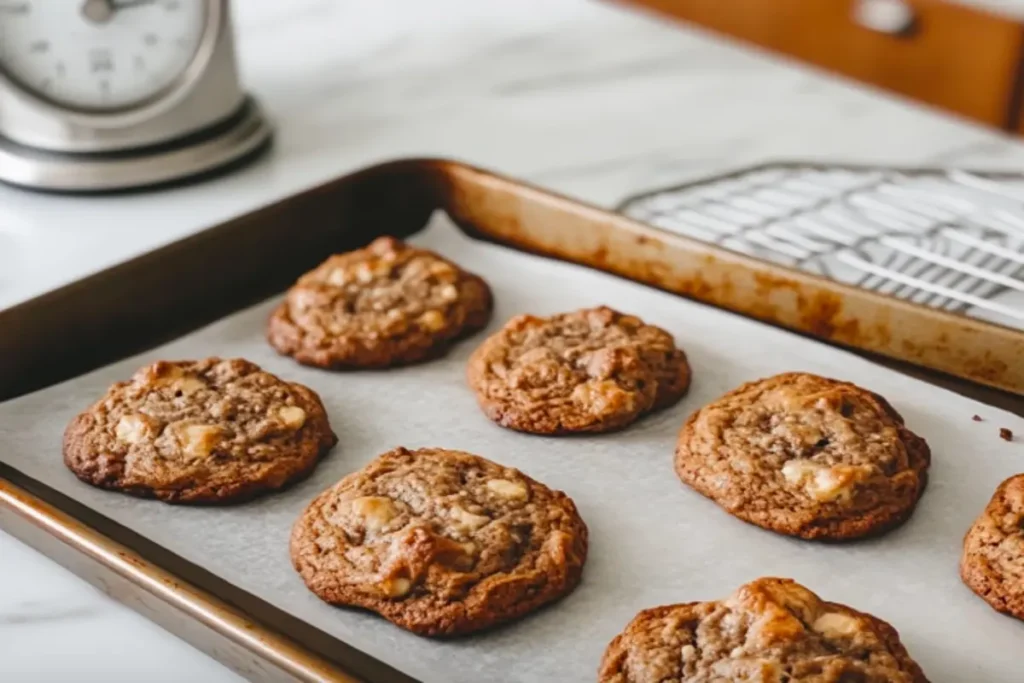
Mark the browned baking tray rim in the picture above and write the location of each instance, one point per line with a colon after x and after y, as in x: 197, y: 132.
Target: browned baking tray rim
x: 808, y: 303
x: 194, y: 602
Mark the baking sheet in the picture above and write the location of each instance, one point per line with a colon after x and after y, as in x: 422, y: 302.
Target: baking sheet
x: 653, y: 541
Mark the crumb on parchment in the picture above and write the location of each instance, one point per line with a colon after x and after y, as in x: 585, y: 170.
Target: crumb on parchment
x: 977, y: 418
x: 1005, y: 434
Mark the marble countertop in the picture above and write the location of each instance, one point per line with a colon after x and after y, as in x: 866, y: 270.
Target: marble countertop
x: 582, y: 97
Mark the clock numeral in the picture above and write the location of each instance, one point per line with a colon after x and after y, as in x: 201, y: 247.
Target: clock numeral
x: 61, y: 69
x: 104, y: 88
x: 172, y: 5
x: 100, y: 61
x: 39, y: 47
x: 46, y: 83
x: 139, y: 63
x: 150, y: 39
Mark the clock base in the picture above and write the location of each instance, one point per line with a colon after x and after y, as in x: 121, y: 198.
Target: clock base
x: 239, y: 137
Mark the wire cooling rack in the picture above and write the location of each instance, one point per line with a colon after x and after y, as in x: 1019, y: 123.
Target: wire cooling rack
x: 949, y: 239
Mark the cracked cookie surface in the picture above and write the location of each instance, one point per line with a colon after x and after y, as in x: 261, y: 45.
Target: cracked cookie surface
x: 440, y: 542
x: 992, y: 564
x: 769, y: 631
x: 209, y: 431
x: 593, y: 370
x: 384, y: 305
x: 806, y: 456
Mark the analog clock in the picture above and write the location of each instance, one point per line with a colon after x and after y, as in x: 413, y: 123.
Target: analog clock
x: 101, y: 94
x: 99, y: 54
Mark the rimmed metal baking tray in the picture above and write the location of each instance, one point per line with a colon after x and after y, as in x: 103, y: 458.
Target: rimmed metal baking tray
x: 178, y: 288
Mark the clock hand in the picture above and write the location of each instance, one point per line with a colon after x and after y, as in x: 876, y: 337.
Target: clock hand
x: 102, y: 11
x: 128, y: 4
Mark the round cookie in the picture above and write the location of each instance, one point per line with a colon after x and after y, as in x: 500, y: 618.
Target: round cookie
x: 805, y: 456
x: 593, y: 370
x: 440, y: 542
x: 209, y: 431
x: 768, y: 630
x: 384, y: 305
x: 992, y: 564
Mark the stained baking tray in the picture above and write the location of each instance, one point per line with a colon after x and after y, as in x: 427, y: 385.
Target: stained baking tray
x: 181, y: 287
x: 944, y: 238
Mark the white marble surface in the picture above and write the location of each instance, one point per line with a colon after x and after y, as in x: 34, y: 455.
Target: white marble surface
x: 579, y: 96
x: 1009, y: 8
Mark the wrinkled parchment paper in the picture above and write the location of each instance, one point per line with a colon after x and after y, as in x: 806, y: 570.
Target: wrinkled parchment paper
x: 653, y: 541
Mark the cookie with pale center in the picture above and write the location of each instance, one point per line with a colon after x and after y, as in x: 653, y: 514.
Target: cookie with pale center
x: 769, y: 631
x: 806, y: 456
x: 385, y: 305
x: 209, y: 431
x: 440, y: 542
x: 592, y: 370
x: 992, y: 563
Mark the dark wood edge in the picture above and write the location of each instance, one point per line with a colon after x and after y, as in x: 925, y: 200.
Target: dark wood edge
x: 784, y: 33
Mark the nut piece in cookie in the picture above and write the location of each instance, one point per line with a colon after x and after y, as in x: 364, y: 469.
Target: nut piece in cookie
x: 209, y: 431
x: 769, y: 630
x: 992, y: 564
x: 593, y: 370
x: 384, y: 305
x: 805, y: 456
x: 440, y: 542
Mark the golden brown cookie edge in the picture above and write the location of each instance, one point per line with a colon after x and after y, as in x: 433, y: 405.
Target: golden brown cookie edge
x: 79, y: 460
x: 974, y: 570
x: 512, y: 417
x: 827, y: 529
x: 449, y: 620
x: 610, y: 668
x: 288, y: 339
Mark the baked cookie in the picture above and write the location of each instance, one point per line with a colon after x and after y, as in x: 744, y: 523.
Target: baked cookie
x: 440, y: 542
x: 386, y: 304
x: 806, y: 456
x: 209, y: 431
x: 768, y: 631
x: 593, y: 370
x: 992, y: 564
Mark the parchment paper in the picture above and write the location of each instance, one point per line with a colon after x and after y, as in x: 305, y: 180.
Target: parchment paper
x: 653, y: 541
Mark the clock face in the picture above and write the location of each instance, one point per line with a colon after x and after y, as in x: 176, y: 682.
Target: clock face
x: 98, y: 55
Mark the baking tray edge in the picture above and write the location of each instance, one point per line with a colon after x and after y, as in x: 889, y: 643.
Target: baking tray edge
x: 194, y: 615
x: 508, y: 212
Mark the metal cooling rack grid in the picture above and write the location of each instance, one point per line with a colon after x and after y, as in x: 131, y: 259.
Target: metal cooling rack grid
x: 948, y: 239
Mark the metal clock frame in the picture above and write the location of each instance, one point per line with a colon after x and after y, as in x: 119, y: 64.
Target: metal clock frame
x: 29, y: 119
x: 201, y: 120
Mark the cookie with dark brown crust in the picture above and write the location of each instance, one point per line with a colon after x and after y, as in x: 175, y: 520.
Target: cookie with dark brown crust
x: 593, y: 370
x: 805, y: 456
x: 768, y: 630
x: 992, y: 564
x: 440, y: 542
x: 384, y: 305
x: 209, y: 431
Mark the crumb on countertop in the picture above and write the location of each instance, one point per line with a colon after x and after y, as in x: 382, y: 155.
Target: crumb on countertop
x: 976, y: 418
x: 1005, y: 434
